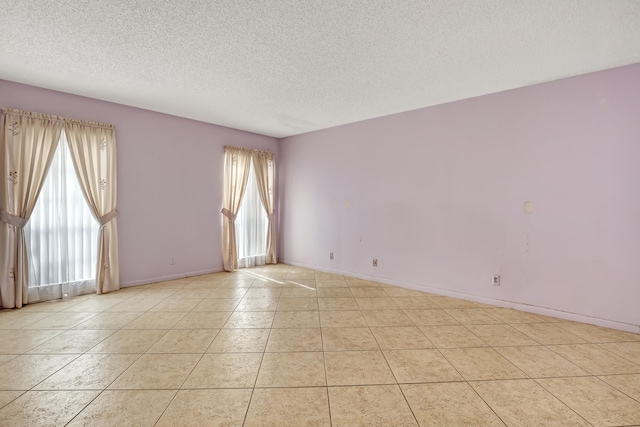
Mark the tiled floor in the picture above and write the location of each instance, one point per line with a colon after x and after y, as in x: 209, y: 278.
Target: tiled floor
x: 286, y: 346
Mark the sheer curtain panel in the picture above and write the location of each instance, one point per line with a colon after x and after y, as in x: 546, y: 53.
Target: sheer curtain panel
x: 251, y: 225
x: 265, y: 170
x: 236, y: 172
x: 27, y: 145
x: 93, y: 150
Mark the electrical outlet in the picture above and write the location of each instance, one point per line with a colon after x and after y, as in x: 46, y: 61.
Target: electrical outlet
x: 495, y: 280
x: 375, y: 262
x: 331, y: 255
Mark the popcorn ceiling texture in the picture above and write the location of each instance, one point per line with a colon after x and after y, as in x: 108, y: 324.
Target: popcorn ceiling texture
x: 285, y: 67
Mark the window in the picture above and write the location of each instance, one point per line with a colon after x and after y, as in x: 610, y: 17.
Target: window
x: 251, y: 225
x: 62, y: 234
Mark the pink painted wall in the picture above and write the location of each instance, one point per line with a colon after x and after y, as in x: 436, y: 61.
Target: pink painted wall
x: 437, y: 195
x: 170, y: 173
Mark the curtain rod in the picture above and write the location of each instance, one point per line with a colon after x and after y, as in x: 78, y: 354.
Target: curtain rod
x: 57, y: 118
x: 249, y: 149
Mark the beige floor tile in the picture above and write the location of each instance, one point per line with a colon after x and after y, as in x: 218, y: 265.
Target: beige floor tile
x: 25, y: 371
x: 7, y: 397
x: 296, y: 319
x: 129, y: 341
x: 63, y: 320
x: 157, y: 371
x: 548, y: 333
x: 357, y: 368
x: 45, y: 408
x: 376, y: 303
x: 136, y: 304
x: 342, y: 319
x: 343, y: 304
x: 331, y: 283
x: 176, y: 305
x: 93, y: 305
x: 207, y: 408
x: 109, y: 320
x: 387, y: 318
x: 369, y: 293
x: 4, y: 358
x: 394, y: 291
x: 473, y: 316
x: 239, y: 341
x: 361, y: 283
x: 300, y: 369
x: 72, y: 341
x: 540, y: 362
x: 203, y: 320
x: 14, y: 319
x: 597, y: 334
x: 197, y: 293
x: 596, y: 401
x: 500, y: 335
x: 140, y: 408
x: 225, y: 370
x: 250, y: 319
x: 400, y: 337
x: 628, y: 384
x: 307, y: 275
x: 299, y: 292
x: 431, y: 317
x: 381, y: 405
x: 21, y: 341
x: 288, y: 407
x: 160, y: 293
x: 414, y: 303
x: 228, y: 293
x: 216, y: 304
x: 334, y: 292
x: 509, y: 315
x: 184, y: 341
x: 627, y: 350
x: 452, y: 336
x: 299, y: 283
x: 339, y: 339
x: 449, y: 302
x: 420, y: 366
x: 525, y: 403
x: 264, y: 292
x: 595, y: 360
x: 481, y: 364
x: 298, y: 304
x: 448, y: 404
x: 153, y: 320
x: 294, y: 339
x: 257, y: 304
x: 89, y: 372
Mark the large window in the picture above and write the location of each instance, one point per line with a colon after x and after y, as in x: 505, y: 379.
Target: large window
x: 62, y: 234
x: 251, y: 225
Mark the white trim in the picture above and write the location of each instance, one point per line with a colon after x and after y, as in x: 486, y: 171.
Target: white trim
x: 627, y: 327
x: 171, y: 277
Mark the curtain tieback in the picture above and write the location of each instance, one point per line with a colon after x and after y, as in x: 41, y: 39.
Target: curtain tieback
x: 270, y: 218
x: 230, y: 215
x: 104, y: 219
x: 16, y: 221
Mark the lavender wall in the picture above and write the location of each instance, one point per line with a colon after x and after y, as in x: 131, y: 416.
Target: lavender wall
x: 169, y: 181
x: 437, y: 196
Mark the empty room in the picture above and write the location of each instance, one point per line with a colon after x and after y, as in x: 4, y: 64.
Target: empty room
x: 320, y: 213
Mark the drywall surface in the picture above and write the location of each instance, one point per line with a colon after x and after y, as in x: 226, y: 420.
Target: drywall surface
x: 170, y: 173
x: 438, y: 196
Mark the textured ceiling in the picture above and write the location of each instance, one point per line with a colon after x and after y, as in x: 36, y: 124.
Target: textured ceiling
x: 284, y: 67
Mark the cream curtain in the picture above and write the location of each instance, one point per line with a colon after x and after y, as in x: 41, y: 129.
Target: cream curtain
x: 27, y: 145
x: 93, y: 151
x: 236, y: 172
x: 265, y: 169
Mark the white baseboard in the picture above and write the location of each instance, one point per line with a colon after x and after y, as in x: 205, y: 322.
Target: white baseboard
x: 171, y: 277
x: 628, y: 327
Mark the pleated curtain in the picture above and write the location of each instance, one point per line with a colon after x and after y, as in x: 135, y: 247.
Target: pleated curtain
x: 265, y: 168
x: 93, y: 151
x: 27, y: 146
x: 236, y: 171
